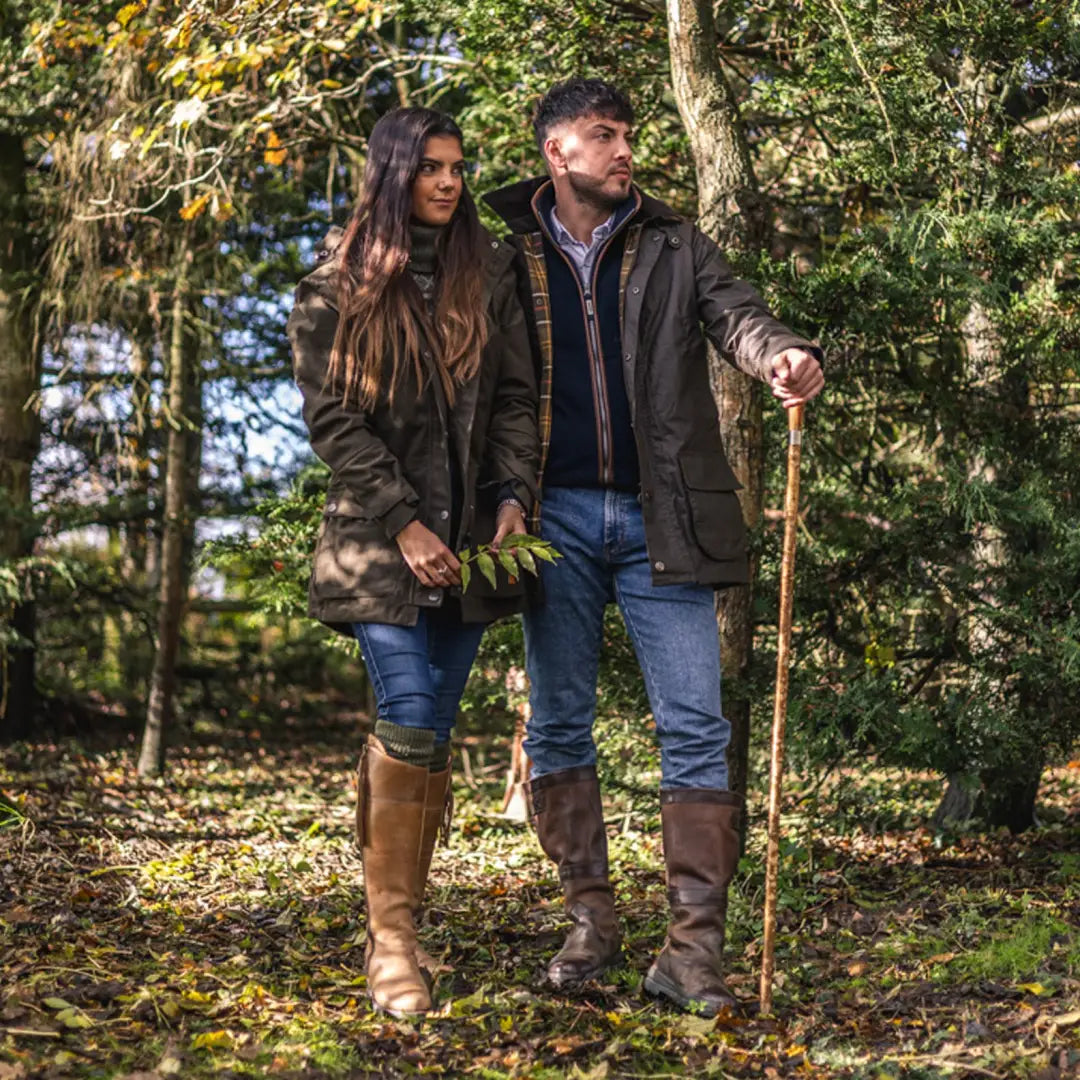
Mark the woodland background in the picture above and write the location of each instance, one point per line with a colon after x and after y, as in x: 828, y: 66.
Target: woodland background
x: 900, y: 179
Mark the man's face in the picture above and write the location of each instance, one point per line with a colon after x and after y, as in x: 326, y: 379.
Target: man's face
x: 596, y: 156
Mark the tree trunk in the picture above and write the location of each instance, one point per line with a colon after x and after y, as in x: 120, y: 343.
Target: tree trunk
x: 20, y: 375
x: 195, y: 416
x: 1008, y: 796
x: 957, y: 803
x: 1004, y: 794
x: 732, y: 211
x: 172, y: 591
x: 138, y: 439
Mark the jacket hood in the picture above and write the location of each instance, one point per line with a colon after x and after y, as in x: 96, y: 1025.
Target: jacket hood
x: 514, y: 204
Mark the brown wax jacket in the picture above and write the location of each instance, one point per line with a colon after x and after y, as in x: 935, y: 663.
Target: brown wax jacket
x: 392, y: 465
x: 677, y: 290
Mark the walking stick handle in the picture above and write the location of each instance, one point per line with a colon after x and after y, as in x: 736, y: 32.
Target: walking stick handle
x: 783, y: 649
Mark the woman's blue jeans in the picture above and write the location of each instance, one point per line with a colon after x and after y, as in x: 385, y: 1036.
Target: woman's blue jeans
x: 419, y: 672
x: 601, y: 535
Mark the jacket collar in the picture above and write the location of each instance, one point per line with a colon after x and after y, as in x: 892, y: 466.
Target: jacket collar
x: 495, y: 254
x: 514, y: 204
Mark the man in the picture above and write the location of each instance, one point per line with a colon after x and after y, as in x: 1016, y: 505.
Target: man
x: 637, y: 495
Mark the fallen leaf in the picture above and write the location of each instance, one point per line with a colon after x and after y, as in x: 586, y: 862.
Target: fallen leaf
x: 212, y: 1040
x: 74, y: 1018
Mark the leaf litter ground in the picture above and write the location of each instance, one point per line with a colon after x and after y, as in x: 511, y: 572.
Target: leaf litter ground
x: 212, y: 924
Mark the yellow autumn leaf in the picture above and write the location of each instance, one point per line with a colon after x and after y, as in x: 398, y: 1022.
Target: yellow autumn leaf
x: 194, y: 208
x: 212, y: 1040
x: 273, y: 155
x: 128, y: 12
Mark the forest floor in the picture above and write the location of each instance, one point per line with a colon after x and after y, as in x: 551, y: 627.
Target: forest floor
x: 212, y: 924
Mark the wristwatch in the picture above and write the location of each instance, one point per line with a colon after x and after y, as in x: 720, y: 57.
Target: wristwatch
x: 511, y: 501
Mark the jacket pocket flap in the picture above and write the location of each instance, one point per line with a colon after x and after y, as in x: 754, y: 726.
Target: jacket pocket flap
x: 708, y: 472
x: 342, y: 504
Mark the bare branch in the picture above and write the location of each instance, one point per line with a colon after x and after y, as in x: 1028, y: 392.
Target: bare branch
x: 1062, y: 118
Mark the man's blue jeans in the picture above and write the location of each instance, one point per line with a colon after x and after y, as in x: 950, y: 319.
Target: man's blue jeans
x: 419, y: 672
x: 601, y: 535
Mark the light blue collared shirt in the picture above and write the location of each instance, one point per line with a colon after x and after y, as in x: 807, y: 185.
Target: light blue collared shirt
x: 583, y: 256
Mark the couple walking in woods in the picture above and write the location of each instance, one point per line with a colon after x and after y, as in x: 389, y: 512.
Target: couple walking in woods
x: 456, y: 385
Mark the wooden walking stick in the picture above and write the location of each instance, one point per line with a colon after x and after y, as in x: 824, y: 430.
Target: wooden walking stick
x: 783, y: 649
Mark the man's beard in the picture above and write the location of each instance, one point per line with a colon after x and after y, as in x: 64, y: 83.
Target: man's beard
x: 590, y: 191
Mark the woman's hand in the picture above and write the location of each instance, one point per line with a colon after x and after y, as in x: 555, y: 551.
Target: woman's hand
x: 509, y: 521
x: 428, y: 557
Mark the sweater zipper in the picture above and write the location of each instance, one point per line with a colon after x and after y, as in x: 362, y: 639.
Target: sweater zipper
x: 597, y: 359
x: 607, y: 453
x: 596, y: 356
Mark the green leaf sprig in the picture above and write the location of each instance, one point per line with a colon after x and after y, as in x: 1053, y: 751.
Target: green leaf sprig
x: 519, y: 552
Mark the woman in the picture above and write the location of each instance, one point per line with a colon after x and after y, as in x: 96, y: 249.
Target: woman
x: 411, y: 353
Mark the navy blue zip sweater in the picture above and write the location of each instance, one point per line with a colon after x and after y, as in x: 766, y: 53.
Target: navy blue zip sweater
x: 592, y: 440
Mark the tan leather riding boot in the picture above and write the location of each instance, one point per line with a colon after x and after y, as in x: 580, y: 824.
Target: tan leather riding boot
x: 701, y: 849
x: 390, y: 813
x: 569, y: 820
x: 438, y: 810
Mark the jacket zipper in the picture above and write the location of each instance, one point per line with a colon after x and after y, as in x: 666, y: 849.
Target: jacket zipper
x: 596, y: 356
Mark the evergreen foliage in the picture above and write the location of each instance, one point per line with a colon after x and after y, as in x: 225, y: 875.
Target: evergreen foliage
x: 921, y: 165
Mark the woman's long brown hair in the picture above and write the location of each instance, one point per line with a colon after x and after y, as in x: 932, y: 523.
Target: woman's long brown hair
x: 382, y: 313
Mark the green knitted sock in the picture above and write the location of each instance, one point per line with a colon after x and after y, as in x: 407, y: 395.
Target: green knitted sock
x: 440, y: 756
x: 413, y: 745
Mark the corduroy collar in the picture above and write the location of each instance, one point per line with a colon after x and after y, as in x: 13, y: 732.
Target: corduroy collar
x: 514, y: 204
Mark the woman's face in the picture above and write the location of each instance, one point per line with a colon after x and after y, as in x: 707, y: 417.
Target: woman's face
x: 439, y: 180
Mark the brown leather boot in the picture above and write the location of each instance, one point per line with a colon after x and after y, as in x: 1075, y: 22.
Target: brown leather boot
x: 701, y: 848
x: 438, y: 809
x: 390, y: 812
x: 569, y: 820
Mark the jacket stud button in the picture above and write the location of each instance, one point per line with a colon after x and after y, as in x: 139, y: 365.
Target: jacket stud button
x: 674, y: 241
x: 433, y: 596
x: 656, y: 236
x: 444, y: 514
x: 635, y: 289
x: 658, y: 565
x: 494, y: 243
x: 331, y: 507
x: 626, y: 356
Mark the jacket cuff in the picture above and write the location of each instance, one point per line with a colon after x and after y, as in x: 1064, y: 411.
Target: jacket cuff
x: 800, y: 343
x: 511, y: 489
x: 397, y: 517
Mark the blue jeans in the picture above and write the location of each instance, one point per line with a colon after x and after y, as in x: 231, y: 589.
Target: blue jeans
x: 601, y: 535
x: 419, y: 672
